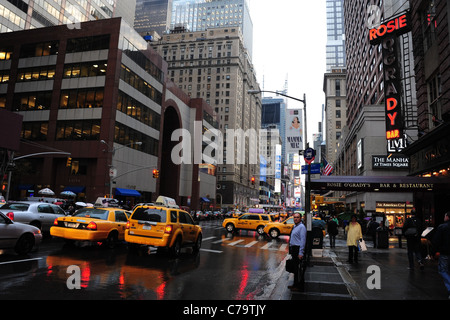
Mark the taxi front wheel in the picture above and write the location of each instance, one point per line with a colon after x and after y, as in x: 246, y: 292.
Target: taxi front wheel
x: 230, y: 227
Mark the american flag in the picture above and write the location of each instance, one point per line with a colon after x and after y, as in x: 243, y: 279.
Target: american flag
x: 327, y: 168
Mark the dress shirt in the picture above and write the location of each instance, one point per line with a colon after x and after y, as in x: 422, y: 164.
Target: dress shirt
x: 298, y: 237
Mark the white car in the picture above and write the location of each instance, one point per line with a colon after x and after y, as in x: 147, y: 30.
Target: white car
x: 18, y: 236
x: 38, y: 214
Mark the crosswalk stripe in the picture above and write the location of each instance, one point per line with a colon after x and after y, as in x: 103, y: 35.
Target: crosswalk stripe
x: 235, y: 243
x: 251, y: 244
x: 266, y: 247
x: 283, y: 247
x: 209, y: 238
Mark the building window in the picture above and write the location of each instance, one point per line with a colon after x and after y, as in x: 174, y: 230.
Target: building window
x: 434, y: 97
x: 39, y: 49
x: 35, y: 131
x: 87, y: 69
x: 429, y: 25
x: 81, y: 98
x: 34, y: 74
x: 88, y: 43
x: 32, y: 101
x: 78, y: 130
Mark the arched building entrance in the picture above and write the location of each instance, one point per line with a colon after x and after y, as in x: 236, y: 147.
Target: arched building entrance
x: 169, y: 172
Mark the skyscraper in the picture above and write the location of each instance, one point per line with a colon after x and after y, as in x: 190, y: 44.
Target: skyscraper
x: 152, y: 15
x: 335, y: 34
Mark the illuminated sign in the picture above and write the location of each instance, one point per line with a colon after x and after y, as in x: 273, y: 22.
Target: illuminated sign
x: 394, y: 27
x: 386, y: 34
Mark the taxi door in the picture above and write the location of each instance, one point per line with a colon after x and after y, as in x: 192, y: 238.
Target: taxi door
x: 187, y: 226
x: 287, y: 226
x: 243, y: 222
x: 121, y: 223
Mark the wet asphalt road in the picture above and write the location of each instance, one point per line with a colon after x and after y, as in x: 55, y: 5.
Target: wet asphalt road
x: 236, y: 266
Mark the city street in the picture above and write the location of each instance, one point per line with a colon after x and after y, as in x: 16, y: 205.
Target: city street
x: 228, y: 267
x: 242, y: 266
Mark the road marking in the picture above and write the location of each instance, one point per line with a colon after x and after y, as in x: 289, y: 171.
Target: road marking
x: 209, y: 238
x: 220, y: 241
x: 266, y: 247
x: 283, y: 247
x: 251, y: 244
x: 16, y: 261
x: 213, y: 251
x: 236, y: 242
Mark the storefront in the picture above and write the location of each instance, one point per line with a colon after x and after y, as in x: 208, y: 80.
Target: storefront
x: 396, y: 212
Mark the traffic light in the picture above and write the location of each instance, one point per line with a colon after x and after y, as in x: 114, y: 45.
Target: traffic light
x: 69, y: 162
x: 155, y: 173
x: 253, y: 180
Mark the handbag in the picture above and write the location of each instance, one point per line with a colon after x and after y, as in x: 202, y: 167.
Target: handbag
x: 362, y: 245
x: 411, y: 231
x: 290, y: 266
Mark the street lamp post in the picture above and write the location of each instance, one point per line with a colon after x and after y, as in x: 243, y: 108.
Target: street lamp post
x: 307, y: 183
x: 113, y: 150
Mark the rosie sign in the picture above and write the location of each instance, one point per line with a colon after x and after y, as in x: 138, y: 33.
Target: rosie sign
x: 387, y: 34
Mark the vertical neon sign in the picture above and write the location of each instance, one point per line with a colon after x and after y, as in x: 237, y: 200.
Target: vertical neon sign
x: 387, y: 34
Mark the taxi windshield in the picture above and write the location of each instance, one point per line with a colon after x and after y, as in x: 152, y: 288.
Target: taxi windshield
x: 92, y: 213
x: 150, y: 214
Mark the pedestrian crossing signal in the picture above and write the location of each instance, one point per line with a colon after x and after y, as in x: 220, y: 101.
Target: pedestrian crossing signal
x: 155, y: 173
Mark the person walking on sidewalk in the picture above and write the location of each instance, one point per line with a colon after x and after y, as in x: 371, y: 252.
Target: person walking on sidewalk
x: 332, y: 231
x: 372, y: 230
x: 297, y: 243
x: 412, y: 230
x: 441, y: 241
x: 354, y: 233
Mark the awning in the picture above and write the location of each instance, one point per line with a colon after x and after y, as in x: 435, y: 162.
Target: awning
x: 127, y: 192
x: 380, y: 183
x: 203, y: 199
x: 75, y: 189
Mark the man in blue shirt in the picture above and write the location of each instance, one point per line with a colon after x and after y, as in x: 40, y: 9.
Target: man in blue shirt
x: 297, y: 244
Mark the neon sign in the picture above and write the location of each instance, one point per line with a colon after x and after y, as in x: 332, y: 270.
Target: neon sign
x: 386, y: 34
x: 394, y: 27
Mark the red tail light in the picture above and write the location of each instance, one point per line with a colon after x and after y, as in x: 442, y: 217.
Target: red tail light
x: 10, y: 215
x: 55, y: 223
x: 127, y: 226
x: 168, y: 229
x: 92, y: 226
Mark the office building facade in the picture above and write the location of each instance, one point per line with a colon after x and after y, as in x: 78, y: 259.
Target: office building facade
x: 212, y: 65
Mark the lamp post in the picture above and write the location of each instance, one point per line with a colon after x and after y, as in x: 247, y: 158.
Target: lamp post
x: 308, y: 183
x: 113, y: 150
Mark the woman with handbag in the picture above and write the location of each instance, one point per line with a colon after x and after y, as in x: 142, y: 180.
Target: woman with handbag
x: 354, y: 233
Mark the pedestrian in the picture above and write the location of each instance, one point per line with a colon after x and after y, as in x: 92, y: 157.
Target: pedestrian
x: 297, y: 242
x: 412, y: 230
x: 372, y: 230
x: 332, y: 231
x: 441, y: 241
x: 354, y: 234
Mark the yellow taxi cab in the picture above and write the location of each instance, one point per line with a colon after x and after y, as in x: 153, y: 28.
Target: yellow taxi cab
x: 162, y: 225
x: 92, y: 224
x: 248, y: 221
x: 275, y: 229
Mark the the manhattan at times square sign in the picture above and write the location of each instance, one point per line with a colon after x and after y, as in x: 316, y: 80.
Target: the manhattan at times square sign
x: 386, y: 34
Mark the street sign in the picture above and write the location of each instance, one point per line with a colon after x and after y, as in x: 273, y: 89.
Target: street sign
x: 315, y: 168
x: 309, y: 155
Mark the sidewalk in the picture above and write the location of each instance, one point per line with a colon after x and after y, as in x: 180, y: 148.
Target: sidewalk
x: 330, y: 277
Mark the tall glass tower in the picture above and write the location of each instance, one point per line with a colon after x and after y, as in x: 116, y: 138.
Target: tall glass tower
x: 335, y: 34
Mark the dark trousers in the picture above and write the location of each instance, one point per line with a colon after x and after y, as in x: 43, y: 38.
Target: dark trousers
x: 413, y: 248
x: 352, y: 254
x: 332, y: 240
x: 294, y: 251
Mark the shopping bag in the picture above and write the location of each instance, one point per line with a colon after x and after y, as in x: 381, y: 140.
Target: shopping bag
x: 290, y: 265
x: 362, y: 245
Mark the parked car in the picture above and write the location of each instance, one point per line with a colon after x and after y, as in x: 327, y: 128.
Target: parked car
x: 38, y: 214
x: 22, y: 238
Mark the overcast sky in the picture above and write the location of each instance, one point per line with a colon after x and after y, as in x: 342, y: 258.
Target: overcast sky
x: 289, y: 42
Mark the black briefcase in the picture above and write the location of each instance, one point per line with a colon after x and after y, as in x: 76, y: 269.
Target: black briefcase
x: 291, y: 266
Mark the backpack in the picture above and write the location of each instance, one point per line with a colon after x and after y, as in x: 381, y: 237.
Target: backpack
x: 412, y: 231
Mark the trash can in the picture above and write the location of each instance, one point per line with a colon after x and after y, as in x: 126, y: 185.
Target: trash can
x: 382, y: 238
x: 317, y: 238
